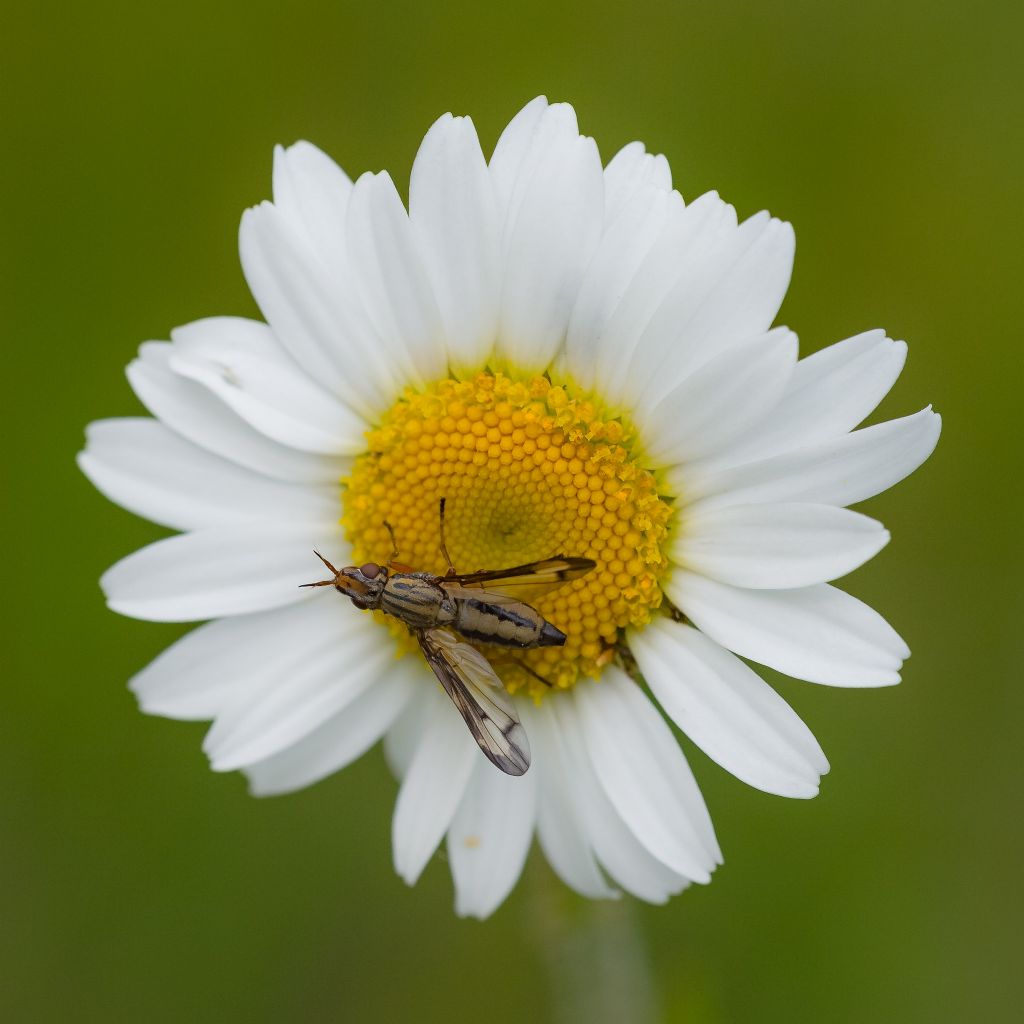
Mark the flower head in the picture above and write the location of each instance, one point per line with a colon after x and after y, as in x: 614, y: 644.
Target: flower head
x: 579, y: 363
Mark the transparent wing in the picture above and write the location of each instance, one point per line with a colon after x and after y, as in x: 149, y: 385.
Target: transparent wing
x: 481, y: 698
x: 546, y: 571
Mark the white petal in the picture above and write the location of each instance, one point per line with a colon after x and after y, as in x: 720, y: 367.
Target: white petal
x: 151, y: 471
x: 196, y: 676
x: 720, y: 401
x: 727, y: 293
x: 519, y: 141
x: 843, y: 471
x: 617, y: 847
x: 338, y: 742
x: 815, y: 633
x: 220, y: 571
x: 490, y: 836
x: 513, y: 169
x: 829, y: 394
x: 551, y: 231
x: 404, y: 735
x: 454, y: 216
x: 316, y: 314
x: 691, y: 240
x: 312, y: 193
x: 241, y: 362
x: 192, y: 411
x: 393, y: 282
x: 630, y: 170
x: 433, y: 786
x: 777, y: 546
x: 336, y: 657
x: 622, y: 251
x: 645, y: 776
x: 561, y: 825
x: 732, y: 714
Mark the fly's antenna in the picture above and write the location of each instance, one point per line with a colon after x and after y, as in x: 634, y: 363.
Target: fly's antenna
x: 444, y: 546
x: 322, y: 583
x: 324, y: 560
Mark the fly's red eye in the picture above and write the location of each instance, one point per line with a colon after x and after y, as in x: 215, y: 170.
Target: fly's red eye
x: 371, y: 570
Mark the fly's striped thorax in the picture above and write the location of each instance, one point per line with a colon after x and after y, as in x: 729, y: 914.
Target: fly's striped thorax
x: 418, y: 601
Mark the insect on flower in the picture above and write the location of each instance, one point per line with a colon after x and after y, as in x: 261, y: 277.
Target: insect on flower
x: 473, y: 605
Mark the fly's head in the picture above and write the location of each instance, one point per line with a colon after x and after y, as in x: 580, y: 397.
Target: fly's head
x: 362, y: 584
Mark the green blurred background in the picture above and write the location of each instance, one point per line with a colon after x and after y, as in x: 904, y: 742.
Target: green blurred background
x: 136, y: 885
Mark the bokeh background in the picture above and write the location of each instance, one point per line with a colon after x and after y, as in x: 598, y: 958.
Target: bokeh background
x: 135, y: 885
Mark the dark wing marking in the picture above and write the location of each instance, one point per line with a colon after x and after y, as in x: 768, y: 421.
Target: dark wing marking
x: 481, y: 698
x: 547, y: 570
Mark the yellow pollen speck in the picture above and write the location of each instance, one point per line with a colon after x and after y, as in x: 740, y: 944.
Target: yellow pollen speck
x: 529, y: 470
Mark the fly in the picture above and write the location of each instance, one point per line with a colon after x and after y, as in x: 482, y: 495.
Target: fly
x: 439, y: 610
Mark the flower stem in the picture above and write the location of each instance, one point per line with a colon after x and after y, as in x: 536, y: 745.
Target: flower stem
x: 593, y: 951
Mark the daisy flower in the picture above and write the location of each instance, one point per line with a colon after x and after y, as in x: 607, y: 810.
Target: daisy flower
x: 580, y: 363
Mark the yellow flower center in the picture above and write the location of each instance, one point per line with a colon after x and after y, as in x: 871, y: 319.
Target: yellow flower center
x: 530, y: 470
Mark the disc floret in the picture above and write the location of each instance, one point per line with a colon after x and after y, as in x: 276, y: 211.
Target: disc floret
x: 530, y: 469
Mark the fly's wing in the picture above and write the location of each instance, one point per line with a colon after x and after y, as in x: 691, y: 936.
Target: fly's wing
x: 547, y: 571
x: 481, y: 698
x: 486, y: 595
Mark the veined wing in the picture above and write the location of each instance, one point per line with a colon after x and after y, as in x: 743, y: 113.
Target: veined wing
x: 546, y: 571
x: 481, y: 698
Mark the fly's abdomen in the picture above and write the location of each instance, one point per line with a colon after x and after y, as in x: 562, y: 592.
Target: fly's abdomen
x: 510, y: 624
x: 417, y: 601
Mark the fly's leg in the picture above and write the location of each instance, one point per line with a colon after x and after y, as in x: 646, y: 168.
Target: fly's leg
x: 444, y: 546
x: 529, y: 671
x: 393, y: 564
x: 394, y: 543
x: 628, y: 663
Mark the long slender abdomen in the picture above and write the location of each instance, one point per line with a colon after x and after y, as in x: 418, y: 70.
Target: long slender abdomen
x: 510, y: 624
